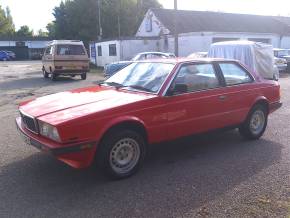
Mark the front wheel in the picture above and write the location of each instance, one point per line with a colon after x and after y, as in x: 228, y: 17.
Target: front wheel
x: 53, y: 76
x: 45, y: 74
x: 256, y: 123
x: 121, y: 154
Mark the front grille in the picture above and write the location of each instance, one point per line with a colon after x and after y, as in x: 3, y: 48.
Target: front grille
x: 29, y: 123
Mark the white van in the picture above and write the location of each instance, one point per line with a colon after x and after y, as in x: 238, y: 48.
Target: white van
x: 65, y: 57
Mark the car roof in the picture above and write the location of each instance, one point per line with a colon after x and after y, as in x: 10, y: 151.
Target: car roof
x: 69, y: 42
x: 280, y: 49
x: 154, y: 52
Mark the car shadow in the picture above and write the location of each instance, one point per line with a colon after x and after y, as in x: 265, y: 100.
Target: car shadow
x: 177, y: 177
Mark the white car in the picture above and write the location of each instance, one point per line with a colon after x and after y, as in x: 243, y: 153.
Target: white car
x: 281, y: 64
x: 198, y: 55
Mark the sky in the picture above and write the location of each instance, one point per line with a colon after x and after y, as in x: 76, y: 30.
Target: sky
x: 37, y: 13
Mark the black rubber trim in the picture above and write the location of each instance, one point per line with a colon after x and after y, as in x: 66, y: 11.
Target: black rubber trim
x: 276, y: 105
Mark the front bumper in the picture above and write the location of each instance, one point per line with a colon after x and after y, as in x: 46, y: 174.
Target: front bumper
x: 77, y: 155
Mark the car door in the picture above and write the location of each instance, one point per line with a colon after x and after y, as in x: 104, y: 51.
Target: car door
x: 240, y: 91
x: 199, y: 107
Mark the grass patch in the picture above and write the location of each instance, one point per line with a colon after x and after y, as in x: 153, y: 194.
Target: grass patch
x: 95, y: 69
x: 98, y: 71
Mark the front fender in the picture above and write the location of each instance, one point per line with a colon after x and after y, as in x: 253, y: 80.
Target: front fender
x: 117, y: 121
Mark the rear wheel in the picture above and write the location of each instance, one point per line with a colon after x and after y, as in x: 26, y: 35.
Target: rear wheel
x: 121, y: 154
x: 256, y: 123
x: 84, y: 76
x: 53, y: 76
x: 45, y: 74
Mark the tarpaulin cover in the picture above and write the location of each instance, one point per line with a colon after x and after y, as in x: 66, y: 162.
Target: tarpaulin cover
x: 257, y: 57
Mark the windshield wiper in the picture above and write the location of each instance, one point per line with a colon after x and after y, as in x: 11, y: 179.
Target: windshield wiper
x: 119, y: 85
x: 138, y: 88
x: 115, y: 84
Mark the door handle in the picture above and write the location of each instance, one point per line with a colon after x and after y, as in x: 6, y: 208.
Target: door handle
x: 222, y: 97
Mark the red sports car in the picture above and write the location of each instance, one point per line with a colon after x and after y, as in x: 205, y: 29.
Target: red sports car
x: 144, y: 103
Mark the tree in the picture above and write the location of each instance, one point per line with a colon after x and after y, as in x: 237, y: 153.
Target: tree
x: 42, y: 33
x: 6, y: 23
x: 78, y: 19
x: 24, y: 31
x: 51, y: 30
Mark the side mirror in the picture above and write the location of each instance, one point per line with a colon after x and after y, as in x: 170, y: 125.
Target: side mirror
x: 178, y: 88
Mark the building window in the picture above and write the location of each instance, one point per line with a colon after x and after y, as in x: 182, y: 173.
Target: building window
x: 148, y: 24
x: 99, y: 50
x: 223, y: 39
x: 112, y: 50
x: 263, y: 40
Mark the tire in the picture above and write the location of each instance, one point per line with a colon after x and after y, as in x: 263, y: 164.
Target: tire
x: 121, y: 154
x: 84, y: 76
x: 45, y: 74
x: 256, y: 123
x: 288, y: 68
x: 53, y: 76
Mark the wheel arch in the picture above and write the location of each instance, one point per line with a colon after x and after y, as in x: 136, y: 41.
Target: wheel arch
x: 262, y: 101
x: 131, y: 123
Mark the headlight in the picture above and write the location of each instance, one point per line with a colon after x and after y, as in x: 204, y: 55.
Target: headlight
x: 48, y: 131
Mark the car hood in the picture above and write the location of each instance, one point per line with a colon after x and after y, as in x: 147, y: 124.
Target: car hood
x: 80, y: 102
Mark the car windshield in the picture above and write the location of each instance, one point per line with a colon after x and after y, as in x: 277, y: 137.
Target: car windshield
x: 141, y: 76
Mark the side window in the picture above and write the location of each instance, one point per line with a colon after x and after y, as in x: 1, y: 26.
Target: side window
x: 47, y: 50
x: 234, y: 74
x: 112, y: 50
x: 197, y: 77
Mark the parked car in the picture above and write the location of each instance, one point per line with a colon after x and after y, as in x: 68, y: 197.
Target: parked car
x: 146, y: 103
x: 111, y: 69
x: 198, y: 55
x: 285, y: 54
x: 65, y: 57
x: 281, y: 64
x: 4, y: 56
x: 11, y: 55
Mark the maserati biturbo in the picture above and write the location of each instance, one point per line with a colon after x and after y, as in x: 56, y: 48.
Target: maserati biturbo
x: 145, y: 103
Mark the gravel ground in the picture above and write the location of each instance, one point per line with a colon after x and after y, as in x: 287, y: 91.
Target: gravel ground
x: 213, y: 175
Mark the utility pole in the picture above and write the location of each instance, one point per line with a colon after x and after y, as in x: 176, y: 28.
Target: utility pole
x: 175, y: 29
x: 99, y: 18
x: 119, y: 15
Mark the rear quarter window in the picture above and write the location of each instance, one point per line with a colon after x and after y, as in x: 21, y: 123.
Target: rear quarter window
x: 70, y: 50
x: 234, y: 74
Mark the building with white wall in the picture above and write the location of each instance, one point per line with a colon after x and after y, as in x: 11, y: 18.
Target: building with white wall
x: 196, y: 31
x: 104, y: 52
